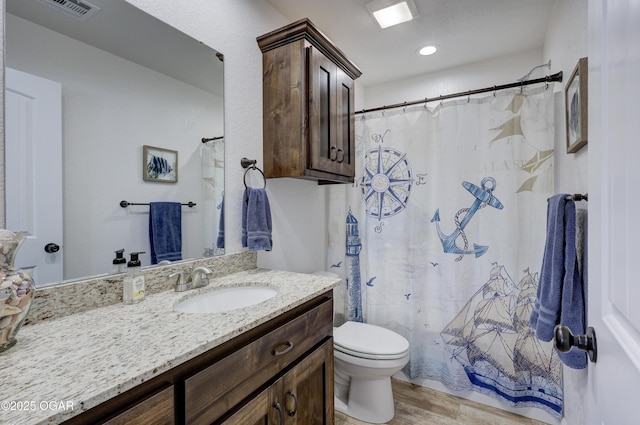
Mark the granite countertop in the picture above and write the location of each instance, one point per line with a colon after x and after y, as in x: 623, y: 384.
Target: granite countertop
x: 63, y: 367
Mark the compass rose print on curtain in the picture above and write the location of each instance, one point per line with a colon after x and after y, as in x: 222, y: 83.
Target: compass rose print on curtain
x: 386, y: 184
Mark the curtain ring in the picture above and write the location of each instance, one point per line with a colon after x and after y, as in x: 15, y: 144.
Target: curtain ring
x: 384, y: 108
x: 494, y: 91
x: 404, y: 107
x: 469, y: 96
x: 425, y: 102
x: 521, y: 86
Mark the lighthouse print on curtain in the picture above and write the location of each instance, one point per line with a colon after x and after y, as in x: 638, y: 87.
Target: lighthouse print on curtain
x: 354, y: 287
x: 445, y: 229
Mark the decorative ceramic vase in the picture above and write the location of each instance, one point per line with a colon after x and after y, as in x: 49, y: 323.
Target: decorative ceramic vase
x: 17, y: 290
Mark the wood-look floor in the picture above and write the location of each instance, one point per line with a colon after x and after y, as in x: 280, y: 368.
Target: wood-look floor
x: 418, y: 405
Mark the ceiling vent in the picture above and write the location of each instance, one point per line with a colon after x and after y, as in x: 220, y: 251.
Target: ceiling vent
x: 80, y: 10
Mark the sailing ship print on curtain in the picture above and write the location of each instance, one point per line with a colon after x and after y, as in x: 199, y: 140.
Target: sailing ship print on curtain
x: 445, y: 228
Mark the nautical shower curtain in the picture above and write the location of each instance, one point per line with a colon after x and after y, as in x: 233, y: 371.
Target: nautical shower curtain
x: 441, y: 240
x: 212, y: 162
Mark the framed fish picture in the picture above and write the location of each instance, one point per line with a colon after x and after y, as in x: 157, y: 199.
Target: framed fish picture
x: 159, y: 165
x: 575, y: 96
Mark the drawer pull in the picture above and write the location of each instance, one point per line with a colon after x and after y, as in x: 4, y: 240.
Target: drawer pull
x: 285, y: 351
x: 341, y: 160
x: 333, y: 154
x: 295, y: 403
x: 280, y: 411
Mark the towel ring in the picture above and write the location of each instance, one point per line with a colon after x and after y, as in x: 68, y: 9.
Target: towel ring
x: 250, y: 164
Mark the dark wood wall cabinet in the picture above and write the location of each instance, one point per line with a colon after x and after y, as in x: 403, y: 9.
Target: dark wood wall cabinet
x: 308, y: 105
x: 280, y: 372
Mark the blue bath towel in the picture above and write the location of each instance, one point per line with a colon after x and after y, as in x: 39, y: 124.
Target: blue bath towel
x: 165, y: 231
x: 560, y: 297
x: 256, y: 220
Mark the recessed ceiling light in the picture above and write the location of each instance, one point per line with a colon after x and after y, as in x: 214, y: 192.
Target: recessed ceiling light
x: 392, y: 12
x: 427, y: 50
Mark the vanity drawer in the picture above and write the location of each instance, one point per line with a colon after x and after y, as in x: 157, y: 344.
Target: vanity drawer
x: 218, y: 388
x: 154, y: 410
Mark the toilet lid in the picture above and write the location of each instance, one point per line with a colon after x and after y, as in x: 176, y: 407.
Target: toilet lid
x: 366, y: 340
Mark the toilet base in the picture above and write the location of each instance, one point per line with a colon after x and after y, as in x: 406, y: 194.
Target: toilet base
x: 370, y: 400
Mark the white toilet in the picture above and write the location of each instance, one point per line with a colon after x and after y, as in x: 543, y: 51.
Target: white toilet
x: 365, y: 358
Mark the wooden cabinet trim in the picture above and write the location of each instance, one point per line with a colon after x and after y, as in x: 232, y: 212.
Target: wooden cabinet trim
x: 304, y: 29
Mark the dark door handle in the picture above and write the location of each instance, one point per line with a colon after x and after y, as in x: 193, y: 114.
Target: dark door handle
x: 276, y: 405
x: 51, y: 247
x: 292, y: 412
x: 564, y: 340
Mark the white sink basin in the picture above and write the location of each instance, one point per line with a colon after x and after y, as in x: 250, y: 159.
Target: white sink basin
x: 225, y: 299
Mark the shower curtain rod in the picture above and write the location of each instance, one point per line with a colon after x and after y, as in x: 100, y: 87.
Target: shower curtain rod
x: 557, y: 77
x: 210, y: 139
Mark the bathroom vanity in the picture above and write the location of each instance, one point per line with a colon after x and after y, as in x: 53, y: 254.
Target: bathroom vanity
x: 147, y: 364
x: 308, y: 105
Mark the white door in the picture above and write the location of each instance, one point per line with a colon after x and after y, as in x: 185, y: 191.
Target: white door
x: 33, y: 157
x: 614, y: 206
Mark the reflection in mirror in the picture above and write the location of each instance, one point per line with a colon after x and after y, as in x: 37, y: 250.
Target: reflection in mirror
x: 113, y: 82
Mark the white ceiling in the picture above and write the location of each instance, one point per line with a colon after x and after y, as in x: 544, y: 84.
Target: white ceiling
x: 465, y: 31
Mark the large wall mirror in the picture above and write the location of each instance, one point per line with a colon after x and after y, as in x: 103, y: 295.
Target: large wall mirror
x: 114, y: 79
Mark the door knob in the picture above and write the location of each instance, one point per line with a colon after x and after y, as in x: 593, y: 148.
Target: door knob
x: 564, y: 340
x: 51, y: 247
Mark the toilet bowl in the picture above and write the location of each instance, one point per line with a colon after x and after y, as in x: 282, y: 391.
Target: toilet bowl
x: 365, y: 358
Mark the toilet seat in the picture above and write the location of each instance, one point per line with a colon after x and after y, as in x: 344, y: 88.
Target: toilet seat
x: 369, y: 341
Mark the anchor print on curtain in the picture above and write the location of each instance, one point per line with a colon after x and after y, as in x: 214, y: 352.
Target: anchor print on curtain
x: 445, y: 228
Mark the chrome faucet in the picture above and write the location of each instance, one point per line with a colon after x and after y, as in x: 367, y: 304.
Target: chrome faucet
x: 200, y: 276
x: 177, y: 279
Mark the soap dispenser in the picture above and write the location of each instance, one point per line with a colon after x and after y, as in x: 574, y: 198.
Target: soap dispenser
x: 133, y: 289
x: 119, y: 263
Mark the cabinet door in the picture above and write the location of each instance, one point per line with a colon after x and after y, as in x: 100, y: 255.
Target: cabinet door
x: 308, y: 389
x: 257, y: 411
x: 322, y: 140
x: 331, y: 117
x: 345, y: 124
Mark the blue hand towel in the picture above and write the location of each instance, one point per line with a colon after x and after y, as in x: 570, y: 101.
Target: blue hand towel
x: 220, y: 238
x: 256, y: 220
x: 165, y: 231
x: 560, y: 296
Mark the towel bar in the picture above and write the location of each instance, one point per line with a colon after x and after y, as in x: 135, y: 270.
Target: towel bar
x: 125, y: 204
x: 578, y: 197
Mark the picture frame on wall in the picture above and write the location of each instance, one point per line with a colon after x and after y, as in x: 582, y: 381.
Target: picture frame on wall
x: 159, y: 165
x: 576, y: 101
